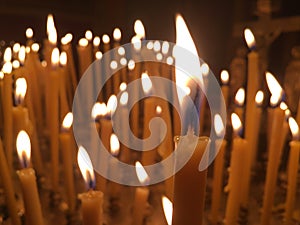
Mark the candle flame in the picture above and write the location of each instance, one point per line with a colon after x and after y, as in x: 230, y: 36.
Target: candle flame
x: 165, y: 47
x: 283, y: 106
x: 113, y: 64
x: 117, y: 34
x: 15, y: 64
x: 7, y: 68
x: 22, y: 54
x: 159, y: 56
x: 55, y: 57
x: 124, y: 98
x: 20, y: 91
x: 274, y: 85
x: 240, y: 97
x: 83, y: 42
x: 139, y: 29
x: 63, y: 59
x: 131, y: 64
x: 170, y: 60
x: 89, y: 35
x: 136, y: 41
x: 50, y: 23
x: 86, y: 167
x: 96, y: 41
x: 158, y: 110
x: 224, y: 77
x: 123, y: 61
x: 1, y: 75
x: 35, y: 47
x: 29, y: 33
x: 150, y: 45
x: 23, y: 148
x: 168, y: 209
x: 146, y: 83
x: 275, y: 100
x: 16, y: 47
x: 156, y: 46
x: 123, y: 86
x: 7, y: 55
x: 52, y: 35
x: 249, y: 37
x: 99, y: 109
x: 105, y: 39
x: 98, y: 55
x: 141, y: 173
x: 287, y: 114
x: 219, y: 125
x: 204, y: 69
x: 184, y: 40
x: 67, y: 39
x: 112, y: 104
x: 121, y: 51
x: 259, y: 98
x: 68, y: 121
x: 114, y: 145
x: 236, y: 123
x: 294, y: 128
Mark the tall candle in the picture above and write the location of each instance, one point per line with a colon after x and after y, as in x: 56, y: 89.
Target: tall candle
x: 64, y: 102
x: 217, y: 185
x: 117, y: 76
x: 293, y: 167
x: 239, y: 103
x: 91, y: 201
x: 84, y: 55
x: 141, y: 196
x: 106, y: 69
x: 225, y: 86
x: 237, y: 177
x: 8, y: 188
x: 33, y: 211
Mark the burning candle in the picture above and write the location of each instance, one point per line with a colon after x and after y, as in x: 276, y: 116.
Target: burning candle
x: 225, y: 86
x: 33, y: 211
x: 84, y: 55
x: 217, y: 185
x: 91, y: 201
x: 141, y: 196
x: 64, y: 102
x: 66, y: 150
x: 293, y: 166
x: 168, y: 209
x: 117, y: 75
x: 96, y: 44
x: 237, y: 173
x: 106, y: 69
x: 274, y: 153
x: 239, y: 102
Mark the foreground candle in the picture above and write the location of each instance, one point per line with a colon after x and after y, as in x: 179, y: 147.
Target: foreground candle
x: 33, y: 210
x: 168, y: 209
x: 91, y: 201
x: 293, y: 167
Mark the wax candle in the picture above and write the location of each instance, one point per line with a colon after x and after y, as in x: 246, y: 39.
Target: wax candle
x: 96, y: 44
x: 33, y: 211
x: 8, y: 187
x: 237, y: 175
x: 168, y: 209
x: 117, y: 75
x: 217, y: 185
x: 292, y: 171
x: 91, y: 201
x: 64, y: 102
x: 225, y: 86
x: 239, y: 103
x: 84, y: 55
x: 106, y: 69
x: 141, y: 196
x: 54, y: 117
x: 115, y: 188
x: 66, y: 150
x: 7, y: 112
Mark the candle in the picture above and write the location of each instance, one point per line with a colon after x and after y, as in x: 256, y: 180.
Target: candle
x: 106, y: 69
x: 66, y: 150
x: 117, y: 76
x: 8, y: 187
x: 168, y: 209
x: 64, y: 102
x: 91, y: 201
x: 274, y: 153
x: 33, y: 211
x: 238, y: 177
x: 219, y: 161
x: 292, y: 173
x: 140, y: 204
x: 96, y: 44
x: 239, y: 102
x: 7, y: 112
x: 84, y: 55
x: 225, y: 86
x: 54, y: 117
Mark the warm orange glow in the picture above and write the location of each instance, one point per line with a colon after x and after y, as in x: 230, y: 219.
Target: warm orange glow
x: 67, y: 39
x: 50, y: 23
x: 158, y: 110
x: 15, y: 64
x: 7, y: 54
x: 55, y: 57
x: 22, y: 54
x: 113, y: 64
x: 131, y: 64
x: 63, y: 59
x: 283, y: 106
x: 184, y: 40
x: 7, y: 68
x: 114, y: 145
x: 146, y: 83
x: 51, y: 30
x: 23, y: 148
x: 275, y: 100
x: 68, y: 121
x: 168, y: 209
x: 219, y: 125
x: 89, y: 35
x: 35, y: 47
x: 294, y: 128
x: 259, y: 98
x: 29, y: 33
x: 117, y: 34
x: 123, y: 61
x: 123, y: 86
x: 141, y: 173
x: 139, y: 29
x: 240, y: 97
x: 83, y: 42
x: 98, y: 55
x: 249, y: 38
x: 236, y: 123
x: 136, y: 41
x: 105, y: 39
x: 224, y: 77
x: 121, y: 51
x: 85, y: 166
x: 99, y: 109
x: 124, y: 98
x: 273, y: 85
x: 1, y: 75
x: 20, y: 91
x: 96, y: 41
x: 112, y: 104
x: 16, y: 47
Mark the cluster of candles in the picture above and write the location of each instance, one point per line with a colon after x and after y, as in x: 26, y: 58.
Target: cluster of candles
x: 36, y: 99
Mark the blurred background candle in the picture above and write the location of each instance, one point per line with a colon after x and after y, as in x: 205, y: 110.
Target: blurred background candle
x: 225, y: 86
x: 239, y: 101
x: 91, y: 201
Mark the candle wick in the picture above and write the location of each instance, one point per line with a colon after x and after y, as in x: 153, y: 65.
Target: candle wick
x: 25, y: 163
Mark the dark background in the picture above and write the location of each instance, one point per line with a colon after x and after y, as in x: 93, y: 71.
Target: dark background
x: 210, y: 22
